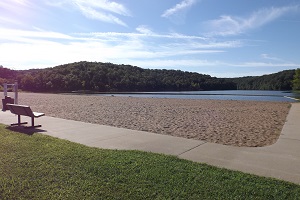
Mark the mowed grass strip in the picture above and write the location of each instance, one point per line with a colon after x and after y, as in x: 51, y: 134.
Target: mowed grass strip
x: 42, y: 167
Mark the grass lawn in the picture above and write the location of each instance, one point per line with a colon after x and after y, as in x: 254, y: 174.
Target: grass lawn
x: 42, y: 167
x: 298, y: 94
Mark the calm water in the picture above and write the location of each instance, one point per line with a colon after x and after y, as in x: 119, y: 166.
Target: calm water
x: 252, y: 95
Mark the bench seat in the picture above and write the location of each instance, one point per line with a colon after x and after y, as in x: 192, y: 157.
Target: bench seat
x: 25, y: 111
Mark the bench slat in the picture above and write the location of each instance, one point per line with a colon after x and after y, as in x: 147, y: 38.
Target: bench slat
x: 20, y: 110
x: 36, y: 114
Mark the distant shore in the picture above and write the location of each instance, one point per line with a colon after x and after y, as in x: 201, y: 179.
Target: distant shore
x: 237, y: 123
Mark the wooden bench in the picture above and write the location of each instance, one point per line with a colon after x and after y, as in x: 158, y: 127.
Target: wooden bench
x: 25, y: 111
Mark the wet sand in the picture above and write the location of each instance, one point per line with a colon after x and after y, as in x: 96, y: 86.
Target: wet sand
x: 237, y: 123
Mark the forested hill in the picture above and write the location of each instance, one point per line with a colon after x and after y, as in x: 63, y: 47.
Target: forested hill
x: 278, y: 81
x: 108, y: 77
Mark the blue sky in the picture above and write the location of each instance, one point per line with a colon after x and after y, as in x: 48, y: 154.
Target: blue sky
x: 231, y: 38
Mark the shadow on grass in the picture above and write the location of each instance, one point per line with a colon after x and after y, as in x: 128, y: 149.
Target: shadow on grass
x: 23, y: 130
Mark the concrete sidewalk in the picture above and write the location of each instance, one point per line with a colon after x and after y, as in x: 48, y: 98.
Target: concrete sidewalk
x: 281, y: 160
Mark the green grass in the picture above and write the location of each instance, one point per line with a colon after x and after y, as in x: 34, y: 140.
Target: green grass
x: 298, y: 94
x: 42, y: 167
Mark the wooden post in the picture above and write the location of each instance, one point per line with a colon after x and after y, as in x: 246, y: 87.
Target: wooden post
x: 16, y: 92
x: 5, y: 89
x: 15, y: 89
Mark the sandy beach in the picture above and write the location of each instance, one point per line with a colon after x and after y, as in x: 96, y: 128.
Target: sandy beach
x: 237, y: 123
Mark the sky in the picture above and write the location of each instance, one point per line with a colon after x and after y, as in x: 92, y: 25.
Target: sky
x: 232, y: 38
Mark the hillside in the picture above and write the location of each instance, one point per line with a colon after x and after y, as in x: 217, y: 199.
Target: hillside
x: 277, y: 81
x: 108, y: 77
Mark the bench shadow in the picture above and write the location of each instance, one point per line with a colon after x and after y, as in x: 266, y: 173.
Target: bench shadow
x: 27, y: 131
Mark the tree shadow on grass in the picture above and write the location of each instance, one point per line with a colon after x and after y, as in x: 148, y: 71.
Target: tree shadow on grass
x: 23, y: 130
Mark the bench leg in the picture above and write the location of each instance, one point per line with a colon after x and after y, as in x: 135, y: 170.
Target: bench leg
x: 19, y: 122
x: 32, y: 124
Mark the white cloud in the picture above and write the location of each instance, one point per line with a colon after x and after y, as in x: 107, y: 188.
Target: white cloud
x: 102, y: 10
x: 22, y: 2
x: 12, y: 3
x: 268, y: 57
x: 179, y: 7
x: 232, y: 25
x: 39, y: 48
x: 94, y: 14
x: 10, y: 21
x: 13, y: 6
x: 144, y: 30
x: 268, y: 64
x: 106, y: 5
x: 218, y: 45
x: 27, y: 48
x: 12, y: 34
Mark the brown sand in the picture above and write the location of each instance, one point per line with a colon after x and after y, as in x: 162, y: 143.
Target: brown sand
x: 238, y: 123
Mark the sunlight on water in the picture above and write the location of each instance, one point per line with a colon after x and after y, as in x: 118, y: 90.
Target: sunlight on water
x: 247, y: 95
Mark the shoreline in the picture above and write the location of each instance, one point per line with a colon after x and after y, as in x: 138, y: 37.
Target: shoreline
x: 229, y: 122
x: 245, y: 95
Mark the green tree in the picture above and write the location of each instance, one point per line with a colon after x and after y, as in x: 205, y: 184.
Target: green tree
x: 296, y: 81
x: 28, y: 83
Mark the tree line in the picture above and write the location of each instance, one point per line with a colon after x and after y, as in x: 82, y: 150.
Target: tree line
x: 277, y: 81
x: 109, y: 77
x: 296, y: 80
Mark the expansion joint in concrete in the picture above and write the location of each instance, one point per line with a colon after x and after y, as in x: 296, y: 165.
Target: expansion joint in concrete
x: 192, y: 148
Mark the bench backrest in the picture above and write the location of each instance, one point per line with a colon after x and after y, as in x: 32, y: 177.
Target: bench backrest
x: 20, y: 110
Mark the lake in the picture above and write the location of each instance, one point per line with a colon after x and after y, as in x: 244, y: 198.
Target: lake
x: 249, y: 95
